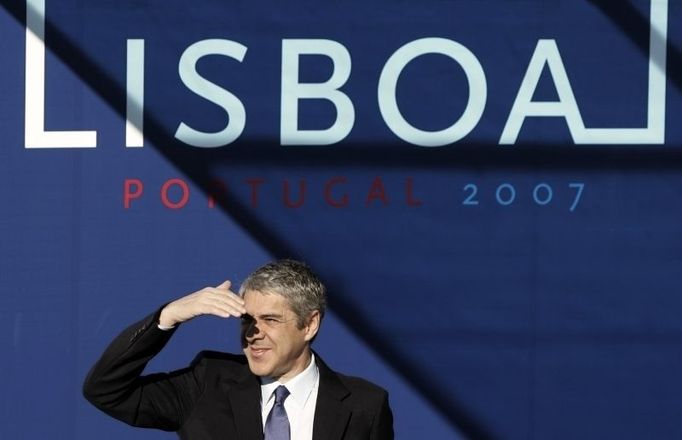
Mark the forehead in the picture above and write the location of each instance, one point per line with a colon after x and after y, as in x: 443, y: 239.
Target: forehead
x: 259, y: 303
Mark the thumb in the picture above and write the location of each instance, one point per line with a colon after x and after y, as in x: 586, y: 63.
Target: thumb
x: 225, y: 285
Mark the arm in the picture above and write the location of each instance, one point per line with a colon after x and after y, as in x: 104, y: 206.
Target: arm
x: 115, y: 385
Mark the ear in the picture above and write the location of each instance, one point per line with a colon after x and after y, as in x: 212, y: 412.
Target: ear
x: 312, y: 325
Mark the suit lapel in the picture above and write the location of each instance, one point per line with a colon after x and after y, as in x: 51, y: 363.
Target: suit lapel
x: 245, y: 401
x: 331, y: 416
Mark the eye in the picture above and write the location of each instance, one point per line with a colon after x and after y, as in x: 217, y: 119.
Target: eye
x: 247, y: 320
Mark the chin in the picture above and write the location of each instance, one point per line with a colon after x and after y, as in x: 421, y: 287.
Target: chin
x: 258, y: 368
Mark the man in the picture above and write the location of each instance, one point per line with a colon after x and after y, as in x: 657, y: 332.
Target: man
x: 278, y: 390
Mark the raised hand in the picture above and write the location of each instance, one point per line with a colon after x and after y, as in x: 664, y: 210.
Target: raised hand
x: 217, y: 301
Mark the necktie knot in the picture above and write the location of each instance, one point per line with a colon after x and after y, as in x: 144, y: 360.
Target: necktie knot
x: 281, y: 393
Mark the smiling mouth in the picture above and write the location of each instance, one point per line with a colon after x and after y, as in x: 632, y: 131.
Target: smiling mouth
x: 258, y: 351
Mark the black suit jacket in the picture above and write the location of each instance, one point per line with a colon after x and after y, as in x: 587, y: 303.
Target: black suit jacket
x: 217, y: 396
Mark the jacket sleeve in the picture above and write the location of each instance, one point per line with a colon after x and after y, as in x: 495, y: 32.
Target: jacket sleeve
x: 116, y: 386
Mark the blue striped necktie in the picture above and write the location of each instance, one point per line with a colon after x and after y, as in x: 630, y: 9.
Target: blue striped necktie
x: 277, y: 424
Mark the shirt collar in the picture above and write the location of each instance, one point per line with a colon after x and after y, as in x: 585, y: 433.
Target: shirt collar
x: 299, y: 386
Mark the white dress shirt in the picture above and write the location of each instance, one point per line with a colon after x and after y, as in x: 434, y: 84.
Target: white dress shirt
x: 300, y: 404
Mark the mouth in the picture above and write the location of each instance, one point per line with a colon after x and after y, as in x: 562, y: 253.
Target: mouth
x: 258, y: 352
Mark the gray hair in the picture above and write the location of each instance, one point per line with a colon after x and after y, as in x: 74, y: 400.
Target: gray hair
x: 293, y: 280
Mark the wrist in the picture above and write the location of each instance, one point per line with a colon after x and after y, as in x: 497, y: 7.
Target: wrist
x: 166, y: 321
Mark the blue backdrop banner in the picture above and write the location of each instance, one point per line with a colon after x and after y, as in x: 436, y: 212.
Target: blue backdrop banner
x: 491, y: 190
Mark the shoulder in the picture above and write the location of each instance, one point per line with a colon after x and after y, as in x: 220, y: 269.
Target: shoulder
x: 352, y: 388
x: 219, y: 366
x: 361, y: 386
x: 219, y: 357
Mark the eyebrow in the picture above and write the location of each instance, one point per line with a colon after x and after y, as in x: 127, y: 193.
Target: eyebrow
x: 266, y: 315
x: 271, y: 315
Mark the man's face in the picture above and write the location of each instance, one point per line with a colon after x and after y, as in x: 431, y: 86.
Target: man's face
x: 273, y: 343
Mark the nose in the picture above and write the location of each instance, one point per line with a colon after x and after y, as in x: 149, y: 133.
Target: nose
x: 250, y: 331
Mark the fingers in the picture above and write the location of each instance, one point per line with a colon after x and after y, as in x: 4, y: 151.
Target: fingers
x: 223, y: 304
x: 225, y: 285
x: 221, y: 301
